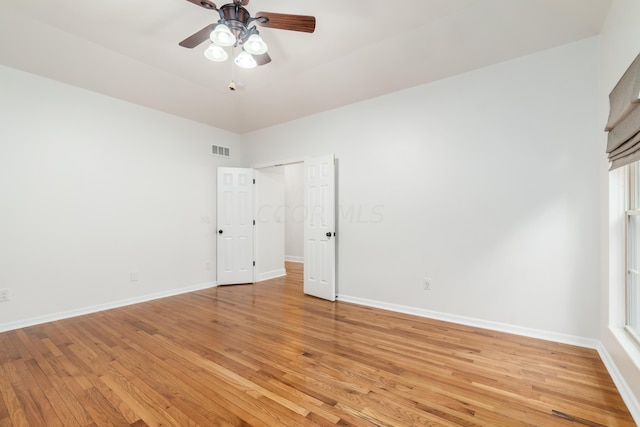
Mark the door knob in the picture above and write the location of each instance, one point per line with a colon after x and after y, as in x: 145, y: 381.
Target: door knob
x: 219, y: 231
x: 328, y: 234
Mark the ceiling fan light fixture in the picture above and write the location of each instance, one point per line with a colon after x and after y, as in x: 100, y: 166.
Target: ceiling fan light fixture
x: 216, y: 53
x: 245, y: 60
x: 255, y: 45
x: 222, y: 36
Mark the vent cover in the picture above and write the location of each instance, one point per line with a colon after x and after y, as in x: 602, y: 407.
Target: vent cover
x: 218, y: 150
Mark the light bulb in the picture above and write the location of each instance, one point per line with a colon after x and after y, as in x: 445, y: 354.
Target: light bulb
x: 222, y: 36
x: 255, y: 45
x: 215, y: 53
x: 245, y: 60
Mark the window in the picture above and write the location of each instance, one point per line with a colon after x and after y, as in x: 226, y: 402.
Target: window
x: 632, y: 294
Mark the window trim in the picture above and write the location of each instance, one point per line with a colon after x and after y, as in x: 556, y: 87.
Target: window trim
x: 632, y: 199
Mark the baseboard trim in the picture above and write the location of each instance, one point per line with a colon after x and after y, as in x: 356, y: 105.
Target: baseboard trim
x: 24, y: 323
x: 623, y: 388
x: 292, y: 258
x: 478, y: 323
x: 271, y: 275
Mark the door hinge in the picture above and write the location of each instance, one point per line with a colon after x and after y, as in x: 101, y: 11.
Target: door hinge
x: 254, y: 180
x: 254, y: 263
x: 254, y: 222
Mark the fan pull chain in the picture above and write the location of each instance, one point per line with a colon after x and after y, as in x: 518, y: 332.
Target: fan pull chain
x: 232, y: 85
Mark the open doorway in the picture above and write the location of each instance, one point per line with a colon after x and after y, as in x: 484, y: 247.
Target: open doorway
x: 317, y: 212
x: 280, y: 214
x: 295, y: 212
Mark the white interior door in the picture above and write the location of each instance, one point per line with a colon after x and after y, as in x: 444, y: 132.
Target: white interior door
x: 235, y: 226
x: 319, y: 228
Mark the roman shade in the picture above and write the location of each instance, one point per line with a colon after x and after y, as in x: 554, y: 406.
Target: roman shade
x: 623, y: 143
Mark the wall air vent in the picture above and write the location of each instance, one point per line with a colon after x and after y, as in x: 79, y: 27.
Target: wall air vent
x: 220, y: 151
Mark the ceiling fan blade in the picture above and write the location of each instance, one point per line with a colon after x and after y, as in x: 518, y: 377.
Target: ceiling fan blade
x: 283, y: 21
x: 204, y: 3
x: 197, y: 38
x: 262, y: 59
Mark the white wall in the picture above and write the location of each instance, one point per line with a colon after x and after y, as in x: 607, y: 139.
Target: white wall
x: 270, y: 223
x: 482, y: 182
x: 294, y: 202
x: 93, y: 189
x: 620, y: 41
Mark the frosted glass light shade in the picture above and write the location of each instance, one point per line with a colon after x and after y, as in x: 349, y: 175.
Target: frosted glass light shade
x: 215, y: 53
x: 245, y: 60
x: 255, y: 45
x: 222, y: 36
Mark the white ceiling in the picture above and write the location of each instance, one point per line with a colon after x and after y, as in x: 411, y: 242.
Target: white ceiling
x: 129, y: 49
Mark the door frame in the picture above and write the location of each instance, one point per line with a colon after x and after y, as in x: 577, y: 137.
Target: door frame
x: 261, y: 166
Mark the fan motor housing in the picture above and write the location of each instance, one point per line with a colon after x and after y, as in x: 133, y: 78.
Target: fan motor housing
x: 235, y: 16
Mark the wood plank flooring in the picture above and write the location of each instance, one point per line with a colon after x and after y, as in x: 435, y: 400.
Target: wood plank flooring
x: 266, y: 355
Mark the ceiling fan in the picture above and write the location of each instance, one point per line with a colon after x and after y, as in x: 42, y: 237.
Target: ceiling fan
x: 234, y: 28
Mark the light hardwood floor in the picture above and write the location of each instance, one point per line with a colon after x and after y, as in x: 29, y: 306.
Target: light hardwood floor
x: 267, y: 355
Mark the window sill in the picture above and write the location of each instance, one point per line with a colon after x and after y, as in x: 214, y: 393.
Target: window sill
x: 628, y: 344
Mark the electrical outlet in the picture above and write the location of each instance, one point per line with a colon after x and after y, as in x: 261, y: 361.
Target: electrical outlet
x: 133, y: 276
x: 5, y: 295
x: 426, y: 284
